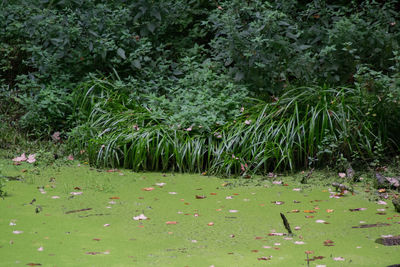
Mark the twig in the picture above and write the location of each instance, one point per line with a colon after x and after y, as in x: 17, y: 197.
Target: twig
x: 286, y: 224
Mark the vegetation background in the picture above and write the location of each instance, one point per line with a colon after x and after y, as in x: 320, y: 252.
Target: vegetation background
x: 228, y: 87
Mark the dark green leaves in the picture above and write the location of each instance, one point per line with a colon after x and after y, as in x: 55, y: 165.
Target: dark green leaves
x: 121, y: 53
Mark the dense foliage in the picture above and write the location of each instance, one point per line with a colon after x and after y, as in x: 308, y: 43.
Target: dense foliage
x: 170, y: 84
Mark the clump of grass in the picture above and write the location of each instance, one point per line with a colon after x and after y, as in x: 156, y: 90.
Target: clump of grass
x: 306, y: 126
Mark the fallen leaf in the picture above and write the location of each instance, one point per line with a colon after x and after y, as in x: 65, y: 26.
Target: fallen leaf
x: 381, y: 202
x: 254, y: 250
x: 342, y: 174
x: 210, y: 224
x: 76, y: 193
x: 358, y: 209
x: 172, y: 193
x: 171, y: 222
x: 328, y: 243
x: 309, y: 211
x: 17, y: 232
x: 96, y: 239
x: 264, y: 259
x: 94, y: 253
x: 338, y: 259
x: 106, y: 225
x: 299, y: 242
x: 393, y: 181
x: 114, y: 198
x: 320, y: 221
x: 33, y: 264
x: 297, y: 189
x: 148, y: 189
x: 55, y: 197
x: 278, y: 202
x: 295, y: 211
x: 140, y: 217
x: 20, y: 158
x: 56, y: 136
x: 160, y: 184
x: 77, y: 188
x: 31, y: 158
x: 200, y: 197
x: 40, y: 249
x: 70, y: 157
x: 309, y: 252
x: 233, y: 211
x: 309, y: 216
x: 276, y: 234
x: 297, y: 228
x: 329, y: 210
x: 213, y: 194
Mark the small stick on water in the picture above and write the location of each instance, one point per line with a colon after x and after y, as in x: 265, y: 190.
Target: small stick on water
x: 286, y: 224
x: 73, y: 211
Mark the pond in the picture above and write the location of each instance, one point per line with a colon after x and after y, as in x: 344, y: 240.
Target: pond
x: 79, y: 216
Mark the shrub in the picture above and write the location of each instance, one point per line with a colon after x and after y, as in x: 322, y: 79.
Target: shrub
x: 272, y: 44
x: 202, y: 97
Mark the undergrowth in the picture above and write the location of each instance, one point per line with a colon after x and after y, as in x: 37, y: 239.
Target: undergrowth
x: 305, y: 127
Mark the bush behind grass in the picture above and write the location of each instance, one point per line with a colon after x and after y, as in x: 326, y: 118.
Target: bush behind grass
x: 47, y: 48
x: 306, y: 126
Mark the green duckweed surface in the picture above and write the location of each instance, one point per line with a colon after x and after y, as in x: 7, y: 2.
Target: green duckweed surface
x: 85, y: 217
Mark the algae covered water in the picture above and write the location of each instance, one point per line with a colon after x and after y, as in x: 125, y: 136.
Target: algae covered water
x: 79, y: 216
